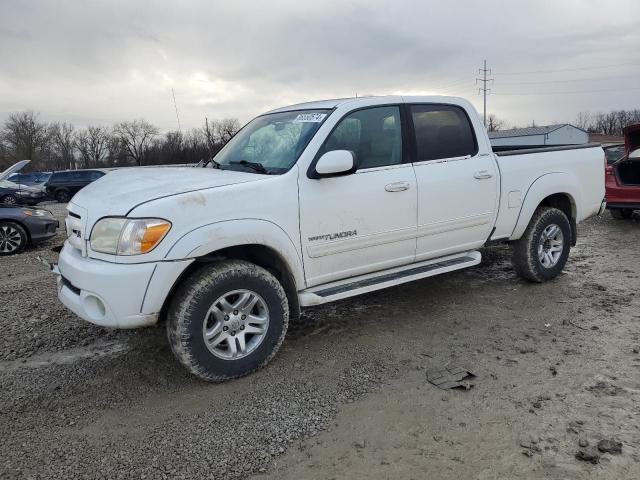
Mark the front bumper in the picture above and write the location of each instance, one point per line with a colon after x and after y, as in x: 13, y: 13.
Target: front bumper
x: 114, y: 295
x: 41, y: 228
x: 107, y: 294
x: 33, y: 199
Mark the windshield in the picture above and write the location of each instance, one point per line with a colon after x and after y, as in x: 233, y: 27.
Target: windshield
x: 271, y: 143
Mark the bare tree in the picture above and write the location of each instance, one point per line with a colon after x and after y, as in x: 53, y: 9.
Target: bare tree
x: 136, y: 138
x: 584, y: 120
x: 494, y: 123
x: 25, y: 137
x: 64, y: 145
x: 93, y: 145
x: 226, y: 128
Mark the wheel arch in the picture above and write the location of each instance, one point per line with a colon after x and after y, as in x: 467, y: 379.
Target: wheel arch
x: 258, y: 241
x: 557, y: 190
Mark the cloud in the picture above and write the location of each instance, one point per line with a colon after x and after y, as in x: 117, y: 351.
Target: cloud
x: 101, y: 62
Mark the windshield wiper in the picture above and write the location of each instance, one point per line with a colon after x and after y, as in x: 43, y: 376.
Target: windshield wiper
x: 258, y: 167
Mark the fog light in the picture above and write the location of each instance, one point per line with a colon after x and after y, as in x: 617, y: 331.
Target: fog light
x: 94, y: 307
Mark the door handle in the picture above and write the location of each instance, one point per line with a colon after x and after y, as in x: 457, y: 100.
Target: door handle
x: 397, y: 187
x: 482, y: 175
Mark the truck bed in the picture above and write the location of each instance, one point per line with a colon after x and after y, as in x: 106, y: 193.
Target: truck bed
x: 506, y: 150
x: 579, y: 169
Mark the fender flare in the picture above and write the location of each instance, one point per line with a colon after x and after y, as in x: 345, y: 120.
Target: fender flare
x: 216, y: 236
x: 543, y: 187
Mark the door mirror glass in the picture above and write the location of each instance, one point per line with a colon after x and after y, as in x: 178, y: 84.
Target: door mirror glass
x: 336, y: 162
x: 635, y: 155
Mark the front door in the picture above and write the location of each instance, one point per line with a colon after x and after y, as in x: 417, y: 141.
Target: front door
x: 363, y: 222
x: 457, y: 184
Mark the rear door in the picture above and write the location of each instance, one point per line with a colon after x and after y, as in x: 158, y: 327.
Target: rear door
x: 366, y: 221
x: 457, y: 184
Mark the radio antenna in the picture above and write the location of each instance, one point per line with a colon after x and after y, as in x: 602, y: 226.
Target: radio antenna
x: 175, y: 105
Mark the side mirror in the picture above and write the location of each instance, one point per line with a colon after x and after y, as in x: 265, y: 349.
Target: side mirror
x: 635, y: 155
x: 335, y: 163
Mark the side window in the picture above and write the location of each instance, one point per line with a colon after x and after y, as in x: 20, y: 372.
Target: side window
x: 373, y: 134
x: 95, y: 175
x: 442, y: 131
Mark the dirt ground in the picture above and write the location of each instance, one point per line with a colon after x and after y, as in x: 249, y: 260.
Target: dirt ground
x: 557, y: 370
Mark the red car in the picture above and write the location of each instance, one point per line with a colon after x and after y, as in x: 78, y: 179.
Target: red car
x: 622, y: 179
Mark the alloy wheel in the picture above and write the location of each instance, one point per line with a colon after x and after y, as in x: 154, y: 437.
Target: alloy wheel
x: 236, y: 324
x: 550, y: 246
x: 10, y: 239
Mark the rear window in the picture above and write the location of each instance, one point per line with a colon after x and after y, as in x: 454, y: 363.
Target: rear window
x: 613, y: 154
x: 442, y: 131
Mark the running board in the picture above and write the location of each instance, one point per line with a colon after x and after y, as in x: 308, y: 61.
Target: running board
x: 395, y: 276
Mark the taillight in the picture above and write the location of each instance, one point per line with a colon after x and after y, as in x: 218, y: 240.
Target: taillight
x: 609, y: 170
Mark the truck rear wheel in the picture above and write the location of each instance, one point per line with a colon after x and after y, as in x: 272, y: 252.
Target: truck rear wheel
x: 542, y: 252
x: 227, y: 320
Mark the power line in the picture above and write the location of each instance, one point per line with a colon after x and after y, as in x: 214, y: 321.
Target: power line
x: 571, y: 69
x: 570, y: 91
x: 570, y: 80
x: 484, y: 80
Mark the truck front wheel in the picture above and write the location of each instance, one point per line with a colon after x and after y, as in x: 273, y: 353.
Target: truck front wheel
x: 227, y: 320
x: 542, y: 252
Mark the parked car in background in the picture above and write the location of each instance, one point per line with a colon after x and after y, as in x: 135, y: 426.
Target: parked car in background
x: 14, y: 194
x: 61, y: 186
x: 623, y: 177
x: 21, y: 226
x: 32, y: 179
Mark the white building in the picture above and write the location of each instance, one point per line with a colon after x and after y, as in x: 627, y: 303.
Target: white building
x: 561, y: 134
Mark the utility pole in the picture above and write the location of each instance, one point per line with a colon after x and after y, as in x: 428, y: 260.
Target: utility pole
x: 484, y: 80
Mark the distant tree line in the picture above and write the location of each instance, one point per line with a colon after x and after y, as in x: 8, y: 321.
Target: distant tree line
x: 610, y: 123
x: 61, y: 146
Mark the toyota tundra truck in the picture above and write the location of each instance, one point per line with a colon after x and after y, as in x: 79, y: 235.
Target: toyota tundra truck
x: 310, y: 204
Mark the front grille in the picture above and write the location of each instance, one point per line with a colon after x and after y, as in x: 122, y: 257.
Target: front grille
x: 70, y: 286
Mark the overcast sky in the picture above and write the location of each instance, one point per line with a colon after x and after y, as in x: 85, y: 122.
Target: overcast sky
x: 96, y: 62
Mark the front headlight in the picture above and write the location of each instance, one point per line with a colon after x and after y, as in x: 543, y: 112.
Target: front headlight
x: 123, y: 236
x: 38, y: 213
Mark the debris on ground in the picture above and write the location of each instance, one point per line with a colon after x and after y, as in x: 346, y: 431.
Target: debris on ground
x: 602, y: 388
x: 530, y: 447
x: 590, y: 455
x: 451, y: 378
x: 610, y: 446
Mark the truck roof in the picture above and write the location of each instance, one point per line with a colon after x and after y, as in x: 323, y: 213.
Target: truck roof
x: 336, y: 102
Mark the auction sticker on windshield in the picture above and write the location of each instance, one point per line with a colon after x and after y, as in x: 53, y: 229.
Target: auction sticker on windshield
x: 310, y: 118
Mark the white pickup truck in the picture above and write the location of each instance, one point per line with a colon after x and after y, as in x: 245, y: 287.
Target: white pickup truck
x: 310, y: 204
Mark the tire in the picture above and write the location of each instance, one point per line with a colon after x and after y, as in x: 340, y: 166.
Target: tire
x: 197, y: 310
x: 621, y: 213
x: 13, y: 238
x: 62, y: 196
x: 9, y: 200
x: 527, y: 251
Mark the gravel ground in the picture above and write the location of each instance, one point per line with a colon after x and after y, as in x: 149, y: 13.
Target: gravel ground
x: 556, y: 392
